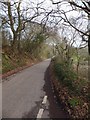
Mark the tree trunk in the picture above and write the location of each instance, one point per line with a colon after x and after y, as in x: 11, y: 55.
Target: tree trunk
x: 89, y: 30
x: 77, y: 67
x: 89, y: 43
x: 14, y: 43
x: 19, y: 36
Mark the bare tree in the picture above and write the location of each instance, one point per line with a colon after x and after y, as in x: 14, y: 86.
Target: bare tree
x: 15, y: 16
x: 81, y: 5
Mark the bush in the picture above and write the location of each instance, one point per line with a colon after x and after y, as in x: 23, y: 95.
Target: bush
x: 65, y: 75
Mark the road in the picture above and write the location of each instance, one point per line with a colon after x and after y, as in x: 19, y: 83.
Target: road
x: 26, y: 95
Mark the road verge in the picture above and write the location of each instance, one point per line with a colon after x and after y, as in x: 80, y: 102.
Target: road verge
x: 16, y: 70
x: 67, y: 99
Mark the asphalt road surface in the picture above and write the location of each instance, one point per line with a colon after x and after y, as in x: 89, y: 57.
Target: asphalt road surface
x: 27, y: 95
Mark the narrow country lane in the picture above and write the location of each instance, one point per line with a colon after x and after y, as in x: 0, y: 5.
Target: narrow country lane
x: 23, y: 93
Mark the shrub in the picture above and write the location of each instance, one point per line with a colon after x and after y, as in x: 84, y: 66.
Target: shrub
x: 65, y: 75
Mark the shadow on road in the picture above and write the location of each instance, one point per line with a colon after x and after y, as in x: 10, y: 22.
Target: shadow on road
x: 55, y: 108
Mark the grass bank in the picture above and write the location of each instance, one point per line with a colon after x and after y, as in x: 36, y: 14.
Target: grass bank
x: 12, y: 63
